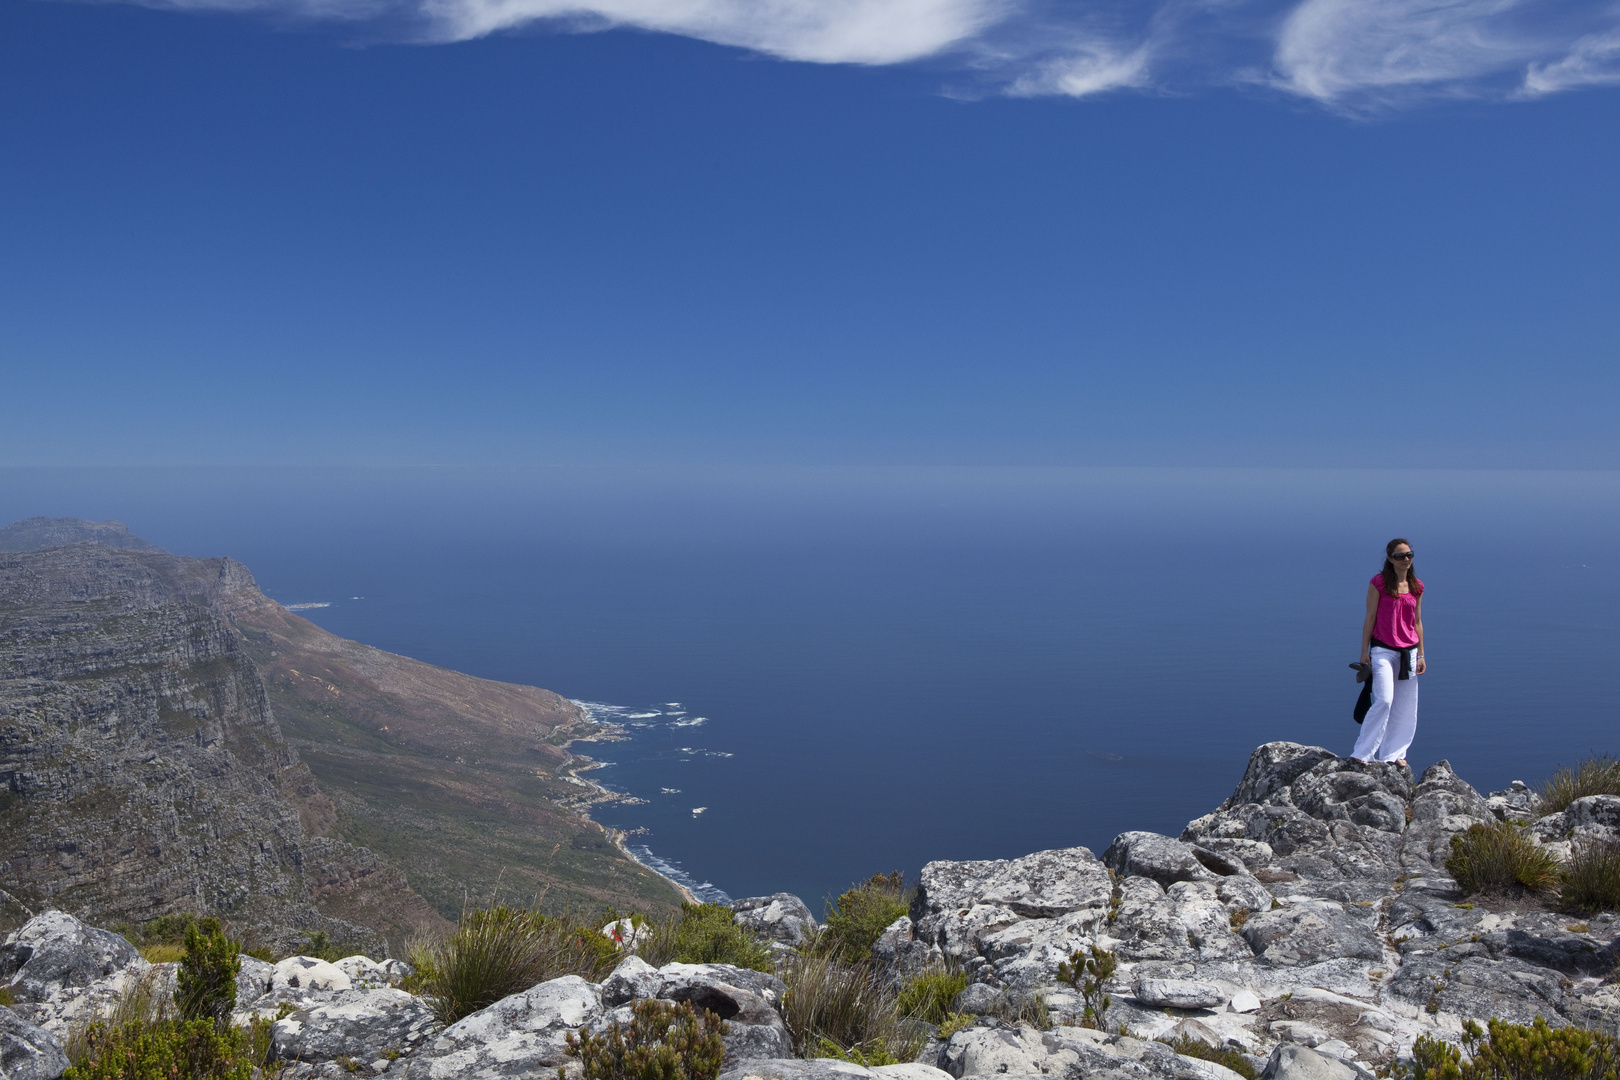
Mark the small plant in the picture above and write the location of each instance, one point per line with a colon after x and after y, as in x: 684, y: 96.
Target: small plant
x: 1500, y: 858
x: 260, y: 952
x: 928, y: 995
x: 258, y: 1032
x: 664, y: 1042
x: 319, y: 945
x: 858, y: 917
x: 867, y: 1059
x: 164, y: 1050
x: 1188, y: 1046
x: 1030, y: 1009
x: 1536, y: 1051
x: 1089, y: 975
x: 162, y: 953
x: 1238, y: 918
x: 1592, y: 878
x: 701, y: 934
x: 955, y: 1022
x: 1594, y: 776
x: 205, y: 987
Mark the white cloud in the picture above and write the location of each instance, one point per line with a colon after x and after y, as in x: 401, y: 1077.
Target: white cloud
x: 1594, y: 60
x: 823, y: 31
x: 1334, y: 49
x: 1352, y: 55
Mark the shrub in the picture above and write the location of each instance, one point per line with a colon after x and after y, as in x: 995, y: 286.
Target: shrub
x: 702, y: 934
x: 319, y: 945
x: 859, y: 917
x: 1592, y: 876
x: 1594, y: 776
x: 664, y: 1042
x: 1518, y: 1052
x: 500, y: 951
x: 1089, y: 975
x: 955, y: 1022
x: 830, y: 1000
x: 928, y: 996
x: 1220, y: 1055
x: 164, y: 1050
x: 205, y: 987
x: 1500, y: 858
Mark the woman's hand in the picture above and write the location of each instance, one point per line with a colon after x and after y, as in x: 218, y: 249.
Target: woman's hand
x: 1366, y: 656
x: 1422, y: 665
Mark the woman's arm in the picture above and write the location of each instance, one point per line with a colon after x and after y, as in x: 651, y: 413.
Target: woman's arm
x: 1367, y: 623
x: 1422, y: 664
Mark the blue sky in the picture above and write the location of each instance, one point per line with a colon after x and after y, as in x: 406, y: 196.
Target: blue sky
x: 1326, y: 233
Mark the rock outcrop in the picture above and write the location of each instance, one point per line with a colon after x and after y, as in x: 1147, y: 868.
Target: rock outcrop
x: 1307, y: 925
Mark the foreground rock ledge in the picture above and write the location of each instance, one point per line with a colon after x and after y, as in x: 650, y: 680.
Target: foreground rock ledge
x: 1308, y: 923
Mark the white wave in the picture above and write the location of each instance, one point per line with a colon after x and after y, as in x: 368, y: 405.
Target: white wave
x: 703, y: 890
x: 696, y: 721
x: 306, y: 607
x: 670, y: 790
x: 642, y: 716
x: 696, y: 810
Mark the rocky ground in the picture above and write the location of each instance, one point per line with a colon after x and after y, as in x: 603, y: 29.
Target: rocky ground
x: 1308, y: 923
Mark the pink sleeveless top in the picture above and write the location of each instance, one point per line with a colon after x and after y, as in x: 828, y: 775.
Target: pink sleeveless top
x: 1396, y: 621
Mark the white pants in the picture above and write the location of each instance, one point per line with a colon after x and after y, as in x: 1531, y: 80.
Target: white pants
x: 1386, y: 733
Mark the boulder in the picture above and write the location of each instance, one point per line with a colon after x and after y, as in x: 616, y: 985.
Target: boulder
x: 1041, y: 885
x: 780, y: 917
x: 826, y: 1069
x: 1293, y: 1062
x: 689, y: 982
x: 28, y: 1052
x: 362, y: 1025
x: 1310, y: 932
x: 736, y: 995
x: 976, y: 999
x: 1147, y: 854
x: 253, y: 980
x: 1178, y: 994
x: 55, y: 952
x: 632, y: 980
x: 364, y: 973
x: 308, y: 973
x: 898, y: 954
x: 521, y: 1035
x: 1146, y: 926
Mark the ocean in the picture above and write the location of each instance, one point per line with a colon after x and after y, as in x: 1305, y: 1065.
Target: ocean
x: 830, y: 673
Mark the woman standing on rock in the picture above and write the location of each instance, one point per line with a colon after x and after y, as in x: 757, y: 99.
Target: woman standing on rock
x: 1392, y: 643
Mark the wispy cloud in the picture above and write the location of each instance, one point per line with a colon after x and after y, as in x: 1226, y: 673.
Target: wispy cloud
x: 1350, y: 55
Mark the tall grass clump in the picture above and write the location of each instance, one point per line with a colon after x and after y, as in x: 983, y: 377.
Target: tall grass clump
x: 499, y: 951
x: 1500, y: 858
x: 1535, y: 1051
x: 205, y: 986
x: 1188, y: 1046
x: 1592, y: 876
x: 858, y: 918
x: 927, y: 996
x: 1594, y: 776
x: 703, y: 934
x: 835, y: 1008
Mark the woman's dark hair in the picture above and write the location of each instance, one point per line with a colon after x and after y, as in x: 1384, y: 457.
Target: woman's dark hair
x: 1391, y: 579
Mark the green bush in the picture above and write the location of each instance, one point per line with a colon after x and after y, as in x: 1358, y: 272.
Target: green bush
x: 703, y: 934
x: 164, y: 1050
x: 1500, y: 858
x: 928, y: 996
x: 859, y: 917
x: 1220, y: 1055
x: 1518, y: 1052
x: 1594, y: 776
x: 500, y: 951
x: 205, y: 986
x: 1592, y: 876
x: 319, y: 944
x: 664, y: 1042
x: 832, y: 1001
x: 1089, y: 974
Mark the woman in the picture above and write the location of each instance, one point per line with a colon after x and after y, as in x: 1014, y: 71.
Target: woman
x: 1392, y: 643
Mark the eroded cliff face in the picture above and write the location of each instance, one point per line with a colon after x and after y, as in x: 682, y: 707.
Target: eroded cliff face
x: 142, y: 770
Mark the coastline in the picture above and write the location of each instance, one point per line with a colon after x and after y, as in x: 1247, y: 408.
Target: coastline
x: 595, y: 794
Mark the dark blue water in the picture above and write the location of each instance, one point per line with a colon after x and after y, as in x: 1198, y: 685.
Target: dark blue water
x: 894, y: 666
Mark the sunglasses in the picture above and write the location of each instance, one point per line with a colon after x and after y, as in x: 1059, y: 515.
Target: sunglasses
x: 1402, y: 555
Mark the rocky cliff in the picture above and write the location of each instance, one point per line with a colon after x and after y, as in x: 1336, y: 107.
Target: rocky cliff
x: 143, y: 770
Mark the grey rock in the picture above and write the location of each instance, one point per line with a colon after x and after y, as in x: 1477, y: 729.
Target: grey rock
x: 1293, y: 1062
x: 253, y: 980
x: 898, y: 954
x: 520, y: 1035
x: 1146, y: 926
x: 28, y: 1052
x: 1042, y: 885
x: 1510, y: 990
x: 798, y: 1069
x: 781, y: 917
x: 976, y: 999
x: 54, y: 951
x: 737, y: 995
x: 1599, y: 814
x: 1178, y: 994
x: 1514, y: 802
x: 1308, y: 933
x: 1147, y: 854
x: 308, y: 973
x: 632, y: 980
x: 686, y: 982
x: 1208, y: 921
x: 361, y: 1025
x: 363, y: 972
